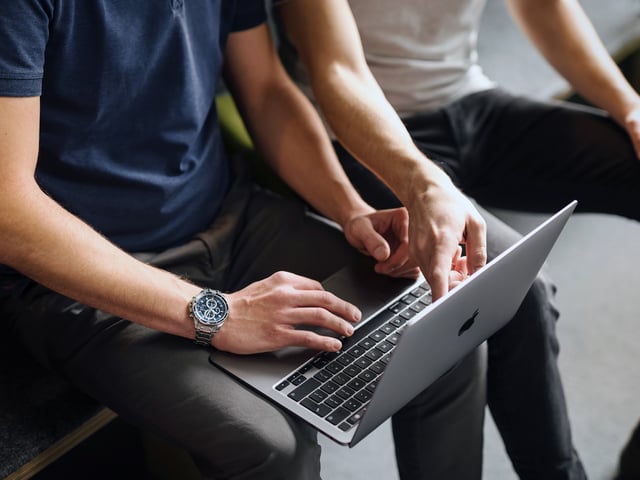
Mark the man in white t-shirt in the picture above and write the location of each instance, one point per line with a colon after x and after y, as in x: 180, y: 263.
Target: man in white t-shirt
x: 420, y: 57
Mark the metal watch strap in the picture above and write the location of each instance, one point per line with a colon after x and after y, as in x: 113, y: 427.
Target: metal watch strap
x: 204, y: 334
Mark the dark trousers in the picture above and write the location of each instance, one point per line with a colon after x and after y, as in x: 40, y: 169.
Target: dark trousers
x: 166, y: 386
x: 514, y: 153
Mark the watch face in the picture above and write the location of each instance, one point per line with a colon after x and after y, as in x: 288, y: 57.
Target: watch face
x: 210, y: 307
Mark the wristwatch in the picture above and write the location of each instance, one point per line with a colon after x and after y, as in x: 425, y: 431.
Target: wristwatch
x: 208, y: 309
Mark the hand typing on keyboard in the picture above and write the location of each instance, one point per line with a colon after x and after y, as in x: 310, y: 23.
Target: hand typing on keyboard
x: 264, y: 315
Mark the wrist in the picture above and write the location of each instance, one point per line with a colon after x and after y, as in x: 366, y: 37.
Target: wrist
x: 208, y: 310
x: 425, y: 178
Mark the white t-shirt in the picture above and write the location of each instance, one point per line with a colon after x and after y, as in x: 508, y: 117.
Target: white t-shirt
x: 423, y: 53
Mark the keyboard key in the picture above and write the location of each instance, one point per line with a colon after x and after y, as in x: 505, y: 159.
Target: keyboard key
x: 345, y: 359
x: 318, y: 396
x: 396, y: 307
x: 333, y: 401
x: 418, y: 292
x: 338, y: 415
x: 357, y: 351
x: 367, y: 343
x: 320, y: 410
x: 330, y: 387
x: 282, y: 385
x: 352, y: 370
x: 398, y: 321
x: 393, y: 338
x: 345, y: 392
x: 388, y: 328
x: 374, y: 354
x: 303, y: 390
x: 334, y: 367
x: 305, y: 368
x: 408, y: 314
x: 323, y: 376
x: 356, y: 417
x: 408, y: 299
x: 341, y: 378
x: 384, y: 347
x: 363, y: 362
x: 345, y: 426
x: 352, y: 405
x: 320, y: 362
x: 377, y: 367
x: 298, y: 380
x: 372, y: 386
x: 418, y: 307
x: 377, y: 336
x: 367, y: 375
x: 356, y: 384
x: 363, y: 395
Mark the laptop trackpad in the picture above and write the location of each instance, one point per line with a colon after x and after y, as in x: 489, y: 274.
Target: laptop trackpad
x: 360, y: 285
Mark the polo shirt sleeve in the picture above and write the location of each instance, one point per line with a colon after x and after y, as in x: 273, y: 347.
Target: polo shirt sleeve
x: 249, y: 14
x: 24, y: 30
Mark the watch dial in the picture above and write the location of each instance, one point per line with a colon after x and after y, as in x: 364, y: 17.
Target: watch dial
x: 210, y: 308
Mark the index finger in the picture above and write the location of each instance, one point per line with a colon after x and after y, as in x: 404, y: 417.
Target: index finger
x: 437, y: 274
x: 475, y: 245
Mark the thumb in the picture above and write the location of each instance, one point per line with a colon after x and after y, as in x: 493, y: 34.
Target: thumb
x: 376, y: 246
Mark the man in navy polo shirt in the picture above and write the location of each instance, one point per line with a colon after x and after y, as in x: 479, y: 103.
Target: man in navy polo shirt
x: 120, y: 212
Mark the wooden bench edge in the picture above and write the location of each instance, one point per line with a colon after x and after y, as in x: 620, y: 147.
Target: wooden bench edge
x: 62, y: 446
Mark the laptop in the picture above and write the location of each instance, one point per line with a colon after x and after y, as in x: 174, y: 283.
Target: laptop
x: 403, y: 343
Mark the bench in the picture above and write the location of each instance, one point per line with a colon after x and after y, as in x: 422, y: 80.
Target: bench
x: 43, y: 417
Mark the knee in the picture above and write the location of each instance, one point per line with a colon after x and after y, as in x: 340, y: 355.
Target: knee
x: 538, y: 308
x: 533, y: 326
x: 276, y: 449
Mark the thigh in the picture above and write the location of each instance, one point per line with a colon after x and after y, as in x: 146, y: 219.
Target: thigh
x: 521, y: 154
x: 165, y: 385
x: 281, y: 234
x: 439, y: 433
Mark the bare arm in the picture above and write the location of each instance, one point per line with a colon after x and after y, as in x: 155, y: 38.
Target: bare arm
x: 562, y: 32
x: 326, y: 37
x: 47, y: 243
x: 291, y: 137
x: 285, y: 127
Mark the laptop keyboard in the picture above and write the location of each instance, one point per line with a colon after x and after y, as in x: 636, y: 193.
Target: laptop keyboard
x: 338, y: 386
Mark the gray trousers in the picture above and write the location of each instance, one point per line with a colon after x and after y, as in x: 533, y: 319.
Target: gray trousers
x: 166, y: 386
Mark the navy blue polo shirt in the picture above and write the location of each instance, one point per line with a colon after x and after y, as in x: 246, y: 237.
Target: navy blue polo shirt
x: 129, y: 129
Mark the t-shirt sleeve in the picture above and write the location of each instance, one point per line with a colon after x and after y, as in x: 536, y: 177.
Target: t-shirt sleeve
x: 249, y: 14
x: 24, y: 27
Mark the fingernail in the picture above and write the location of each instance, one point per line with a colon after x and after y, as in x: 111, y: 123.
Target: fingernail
x: 379, y: 252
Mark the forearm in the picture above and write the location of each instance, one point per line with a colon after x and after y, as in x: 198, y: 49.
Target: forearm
x: 287, y: 130
x: 56, y: 249
x: 295, y: 144
x: 351, y: 100
x: 368, y: 126
x: 562, y: 32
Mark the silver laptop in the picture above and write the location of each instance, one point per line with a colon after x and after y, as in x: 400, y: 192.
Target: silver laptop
x: 403, y: 343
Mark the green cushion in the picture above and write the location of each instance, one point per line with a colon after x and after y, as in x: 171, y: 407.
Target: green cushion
x: 238, y: 140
